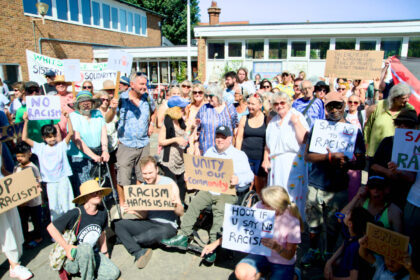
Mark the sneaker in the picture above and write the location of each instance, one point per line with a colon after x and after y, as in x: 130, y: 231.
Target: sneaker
x: 20, y: 272
x: 310, y: 257
x: 210, y: 258
x: 178, y: 241
x: 144, y: 259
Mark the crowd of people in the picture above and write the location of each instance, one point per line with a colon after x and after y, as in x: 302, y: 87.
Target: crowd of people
x: 265, y: 127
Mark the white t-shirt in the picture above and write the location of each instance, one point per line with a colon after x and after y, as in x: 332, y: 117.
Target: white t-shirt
x: 354, y: 118
x: 52, y: 161
x: 248, y: 87
x: 414, y: 194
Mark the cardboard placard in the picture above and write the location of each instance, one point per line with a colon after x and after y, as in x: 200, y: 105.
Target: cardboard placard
x: 71, y: 68
x: 339, y: 137
x: 149, y: 197
x: 43, y: 107
x: 209, y: 174
x: 352, y: 64
x: 17, y: 189
x: 406, y: 149
x: 11, y: 132
x: 120, y: 61
x: 243, y: 229
x: 386, y: 242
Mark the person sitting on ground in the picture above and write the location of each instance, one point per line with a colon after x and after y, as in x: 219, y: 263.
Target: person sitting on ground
x: 152, y: 226
x: 92, y: 257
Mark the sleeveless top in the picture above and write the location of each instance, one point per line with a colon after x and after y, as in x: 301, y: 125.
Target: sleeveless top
x: 384, y: 215
x: 254, y: 140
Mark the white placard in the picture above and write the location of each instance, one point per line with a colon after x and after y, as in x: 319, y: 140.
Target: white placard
x: 120, y: 61
x: 243, y: 229
x: 43, y: 107
x: 71, y: 70
x: 339, y: 137
x: 406, y: 149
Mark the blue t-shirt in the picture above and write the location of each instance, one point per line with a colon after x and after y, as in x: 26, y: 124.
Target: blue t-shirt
x: 349, y: 258
x: 316, y: 111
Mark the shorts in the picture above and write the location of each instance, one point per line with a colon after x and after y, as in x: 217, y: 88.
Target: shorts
x: 256, y: 167
x: 264, y: 266
x: 127, y: 159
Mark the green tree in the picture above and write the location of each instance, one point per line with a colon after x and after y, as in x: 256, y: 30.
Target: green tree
x: 174, y: 26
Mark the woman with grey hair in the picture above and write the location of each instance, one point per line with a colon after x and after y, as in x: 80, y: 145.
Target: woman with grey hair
x: 212, y: 115
x: 381, y: 122
x: 283, y: 156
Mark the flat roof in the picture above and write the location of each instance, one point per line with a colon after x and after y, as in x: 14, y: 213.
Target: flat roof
x: 150, y: 52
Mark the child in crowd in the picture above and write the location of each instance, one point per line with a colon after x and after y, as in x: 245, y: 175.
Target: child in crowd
x: 31, y: 208
x: 11, y: 237
x: 55, y: 167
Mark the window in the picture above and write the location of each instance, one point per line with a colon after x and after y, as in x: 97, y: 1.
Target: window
x: 154, y: 73
x: 163, y: 72
x: 123, y: 21
x: 86, y: 11
x: 216, y: 50
x: 74, y: 10
x: 48, y: 2
x: 114, y: 13
x: 10, y: 73
x: 137, y: 24
x: 106, y: 15
x: 319, y: 48
x: 129, y: 22
x: 235, y: 49
x: 143, y: 25
x: 277, y: 49
x: 61, y: 9
x: 414, y: 47
x: 174, y: 70
x: 298, y: 49
x: 96, y: 13
x: 367, y: 45
x: 391, y: 46
x: 29, y: 6
x: 345, y: 44
x: 254, y: 49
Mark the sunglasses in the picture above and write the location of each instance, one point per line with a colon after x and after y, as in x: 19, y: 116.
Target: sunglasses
x: 198, y: 92
x: 323, y: 90
x: 31, y: 90
x: 334, y: 105
x: 210, y: 96
x: 185, y: 86
x: 105, y: 99
x: 266, y: 87
x: 15, y: 89
x: 353, y: 102
x: 60, y: 84
x: 341, y: 89
x: 87, y: 87
x: 282, y: 103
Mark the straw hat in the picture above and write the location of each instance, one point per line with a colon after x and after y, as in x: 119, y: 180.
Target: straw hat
x: 108, y: 84
x: 61, y: 79
x: 89, y: 187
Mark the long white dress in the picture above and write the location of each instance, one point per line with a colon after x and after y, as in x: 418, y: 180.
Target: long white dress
x: 288, y: 167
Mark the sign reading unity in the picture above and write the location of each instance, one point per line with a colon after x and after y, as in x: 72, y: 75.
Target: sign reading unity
x: 17, y: 189
x: 11, y: 132
x: 386, y: 242
x: 243, y: 229
x: 149, y: 197
x: 43, y: 107
x: 352, y: 64
x: 339, y: 137
x: 406, y: 149
x: 120, y: 61
x: 209, y: 174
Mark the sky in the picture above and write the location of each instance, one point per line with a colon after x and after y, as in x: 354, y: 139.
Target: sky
x: 278, y: 11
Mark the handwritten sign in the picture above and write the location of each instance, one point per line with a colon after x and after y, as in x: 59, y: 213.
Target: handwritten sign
x: 209, y: 174
x: 43, y: 107
x: 17, y: 189
x: 352, y: 64
x: 386, y: 242
x: 11, y: 132
x: 339, y: 137
x: 406, y: 149
x: 120, y: 61
x: 243, y: 229
x: 71, y: 69
x: 149, y: 197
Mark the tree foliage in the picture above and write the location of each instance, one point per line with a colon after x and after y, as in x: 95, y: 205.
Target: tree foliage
x: 174, y: 26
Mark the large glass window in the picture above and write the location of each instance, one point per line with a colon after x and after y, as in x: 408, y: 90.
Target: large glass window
x: 123, y: 21
x: 96, y: 13
x: 114, y: 14
x: 153, y: 71
x: 86, y: 11
x: 391, y: 46
x: 29, y: 6
x: 254, y: 49
x: 277, y: 49
x: 137, y: 24
x: 129, y: 22
x: 143, y: 25
x: 367, y: 45
x: 143, y: 67
x: 61, y: 9
x: 174, y: 70
x: 106, y: 15
x: 345, y: 44
x: 319, y: 48
x: 298, y: 49
x: 235, y: 49
x: 49, y: 12
x: 414, y: 47
x: 216, y: 50
x: 74, y: 10
x: 164, y: 78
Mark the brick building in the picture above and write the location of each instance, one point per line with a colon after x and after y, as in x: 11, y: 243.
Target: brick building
x: 71, y: 29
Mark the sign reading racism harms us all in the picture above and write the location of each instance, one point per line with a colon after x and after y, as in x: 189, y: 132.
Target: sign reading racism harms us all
x: 43, y: 107
x: 243, y: 229
x: 17, y: 189
x: 149, y: 197
x: 209, y: 174
x: 339, y: 137
x: 406, y: 149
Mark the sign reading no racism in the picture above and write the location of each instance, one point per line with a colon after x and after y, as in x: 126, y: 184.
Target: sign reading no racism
x: 406, y: 149
x: 43, y: 107
x: 149, y: 197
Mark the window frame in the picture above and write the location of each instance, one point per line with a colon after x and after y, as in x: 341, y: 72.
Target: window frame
x: 227, y: 56
x: 259, y: 41
x: 318, y: 40
x: 277, y: 40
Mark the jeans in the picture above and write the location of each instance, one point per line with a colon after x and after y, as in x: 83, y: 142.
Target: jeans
x: 263, y: 265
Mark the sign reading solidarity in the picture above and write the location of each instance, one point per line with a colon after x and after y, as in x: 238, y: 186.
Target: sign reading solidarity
x: 387, y: 242
x: 149, y: 197
x: 11, y: 132
x: 243, y: 229
x: 406, y: 149
x: 339, y: 137
x: 17, y: 189
x: 120, y: 61
x: 209, y: 174
x: 43, y: 107
x: 352, y: 64
x: 71, y: 69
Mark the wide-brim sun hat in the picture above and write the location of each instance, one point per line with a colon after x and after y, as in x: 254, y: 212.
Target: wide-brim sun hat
x: 85, y: 95
x: 61, y: 79
x: 88, y: 188
x: 107, y: 85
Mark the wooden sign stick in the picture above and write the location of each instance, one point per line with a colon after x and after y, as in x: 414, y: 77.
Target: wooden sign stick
x: 117, y: 85
x: 73, y: 89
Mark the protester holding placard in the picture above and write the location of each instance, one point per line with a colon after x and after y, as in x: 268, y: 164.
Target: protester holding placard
x: 49, y: 87
x: 66, y: 100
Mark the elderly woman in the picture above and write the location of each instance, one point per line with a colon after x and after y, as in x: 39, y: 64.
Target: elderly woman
x: 283, y: 156
x: 211, y: 115
x: 90, y: 257
x: 66, y: 99
x: 173, y: 91
x: 186, y: 89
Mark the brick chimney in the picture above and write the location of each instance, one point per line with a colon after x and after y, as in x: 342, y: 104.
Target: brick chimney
x: 214, y: 13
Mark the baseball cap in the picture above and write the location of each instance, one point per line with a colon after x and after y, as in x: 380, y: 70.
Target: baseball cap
x: 31, y: 84
x: 333, y: 96
x: 224, y: 130
x: 177, y: 101
x: 125, y: 80
x: 50, y: 73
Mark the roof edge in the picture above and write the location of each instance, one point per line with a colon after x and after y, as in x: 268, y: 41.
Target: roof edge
x: 142, y: 8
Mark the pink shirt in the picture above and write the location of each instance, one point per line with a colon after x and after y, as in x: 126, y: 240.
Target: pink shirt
x: 65, y: 99
x: 286, y: 230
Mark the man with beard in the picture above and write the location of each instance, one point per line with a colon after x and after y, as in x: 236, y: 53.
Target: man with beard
x: 328, y: 183
x: 231, y: 88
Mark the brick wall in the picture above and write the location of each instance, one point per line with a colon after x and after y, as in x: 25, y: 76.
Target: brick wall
x: 201, y: 59
x: 16, y: 35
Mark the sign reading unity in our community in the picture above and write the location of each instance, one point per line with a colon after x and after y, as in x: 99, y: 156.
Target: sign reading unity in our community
x: 120, y: 61
x: 11, y: 132
x: 43, y: 107
x: 17, y: 189
x: 149, y: 197
x: 387, y: 242
x: 352, y: 64
x: 243, y: 229
x: 339, y: 137
x: 406, y: 149
x: 209, y: 174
